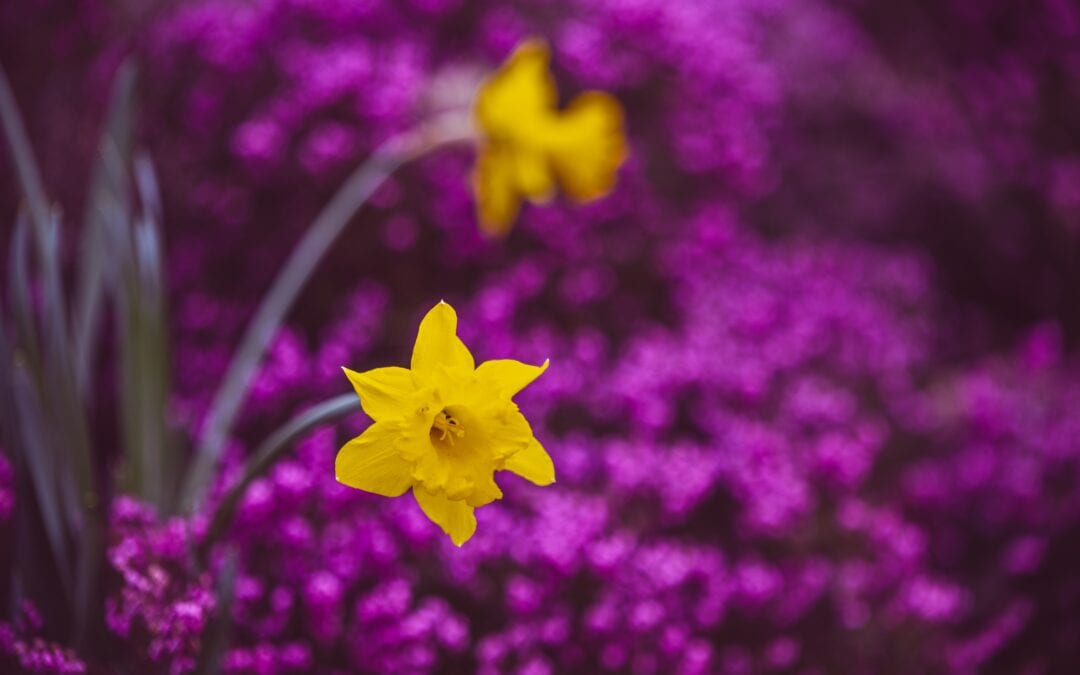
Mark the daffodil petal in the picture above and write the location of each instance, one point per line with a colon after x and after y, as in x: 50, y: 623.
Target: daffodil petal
x: 415, y: 440
x: 533, y: 464
x: 533, y: 175
x: 588, y: 145
x: 506, y: 377
x: 384, y: 392
x: 521, y: 91
x: 497, y: 200
x: 456, y: 518
x: 437, y: 344
x: 369, y: 462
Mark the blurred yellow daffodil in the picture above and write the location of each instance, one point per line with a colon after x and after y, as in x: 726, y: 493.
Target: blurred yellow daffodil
x: 527, y: 144
x: 443, y: 428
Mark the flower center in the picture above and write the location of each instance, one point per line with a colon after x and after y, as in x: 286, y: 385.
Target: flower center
x: 446, y: 428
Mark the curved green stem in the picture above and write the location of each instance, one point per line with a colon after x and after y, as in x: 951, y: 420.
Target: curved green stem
x: 268, y: 454
x: 330, y: 222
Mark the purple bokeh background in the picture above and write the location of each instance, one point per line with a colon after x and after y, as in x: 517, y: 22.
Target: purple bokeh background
x: 813, y: 396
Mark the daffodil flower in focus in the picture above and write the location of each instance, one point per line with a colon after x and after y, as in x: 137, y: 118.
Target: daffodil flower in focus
x: 527, y: 144
x: 443, y: 427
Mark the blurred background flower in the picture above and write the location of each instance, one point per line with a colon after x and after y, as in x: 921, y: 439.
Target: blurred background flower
x: 815, y: 374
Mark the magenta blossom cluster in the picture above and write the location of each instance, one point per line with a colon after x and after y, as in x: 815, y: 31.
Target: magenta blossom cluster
x: 22, y: 649
x: 160, y: 606
x: 997, y: 496
x: 949, y: 124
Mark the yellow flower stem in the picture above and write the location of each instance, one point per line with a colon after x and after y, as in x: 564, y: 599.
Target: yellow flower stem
x: 275, y: 305
x: 267, y: 455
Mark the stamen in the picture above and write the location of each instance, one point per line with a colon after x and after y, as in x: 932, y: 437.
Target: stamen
x: 448, y: 426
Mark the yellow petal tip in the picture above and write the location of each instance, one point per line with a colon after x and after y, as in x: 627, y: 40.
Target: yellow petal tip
x: 459, y: 542
x: 534, y: 43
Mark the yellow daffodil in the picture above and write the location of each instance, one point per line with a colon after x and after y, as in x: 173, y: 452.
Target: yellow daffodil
x: 527, y: 144
x: 443, y: 427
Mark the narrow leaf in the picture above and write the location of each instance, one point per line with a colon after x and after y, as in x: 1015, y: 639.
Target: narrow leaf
x: 66, y: 427
x: 64, y: 418
x: 147, y: 341
x: 147, y: 182
x: 109, y: 195
x: 19, y: 294
x: 26, y: 436
x: 21, y: 154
